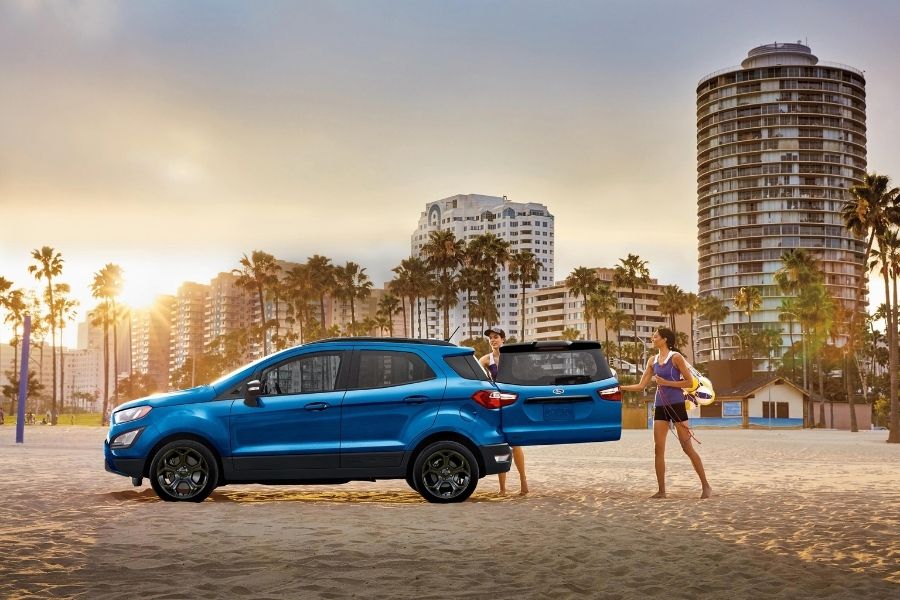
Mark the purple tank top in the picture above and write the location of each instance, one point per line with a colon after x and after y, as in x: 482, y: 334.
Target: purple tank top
x: 667, y: 396
x: 492, y: 366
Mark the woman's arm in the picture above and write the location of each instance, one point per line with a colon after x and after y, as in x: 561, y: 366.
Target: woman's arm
x: 642, y: 384
x: 688, y: 379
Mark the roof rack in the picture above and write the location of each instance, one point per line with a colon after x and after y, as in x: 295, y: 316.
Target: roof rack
x: 390, y: 340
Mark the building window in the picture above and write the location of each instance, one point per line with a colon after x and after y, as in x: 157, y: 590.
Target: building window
x: 780, y: 410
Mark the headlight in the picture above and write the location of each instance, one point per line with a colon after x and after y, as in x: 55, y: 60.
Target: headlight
x: 130, y: 414
x: 125, y: 439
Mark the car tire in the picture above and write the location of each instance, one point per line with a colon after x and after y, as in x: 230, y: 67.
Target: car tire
x: 411, y: 482
x: 184, y: 471
x: 445, y: 472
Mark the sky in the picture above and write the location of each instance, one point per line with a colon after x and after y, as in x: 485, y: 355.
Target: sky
x: 173, y: 137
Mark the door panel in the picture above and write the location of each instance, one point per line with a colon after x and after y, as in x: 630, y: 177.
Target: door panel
x: 296, y: 424
x: 382, y: 414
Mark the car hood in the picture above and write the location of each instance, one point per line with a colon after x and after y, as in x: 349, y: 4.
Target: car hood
x: 197, y: 394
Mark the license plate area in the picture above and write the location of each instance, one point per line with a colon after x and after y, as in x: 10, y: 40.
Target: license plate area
x: 558, y: 412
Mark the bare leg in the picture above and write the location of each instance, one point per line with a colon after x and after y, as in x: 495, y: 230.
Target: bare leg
x: 660, y: 431
x: 502, y: 478
x: 684, y: 436
x: 519, y: 460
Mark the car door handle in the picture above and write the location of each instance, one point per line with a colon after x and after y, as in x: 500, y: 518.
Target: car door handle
x: 416, y: 399
x: 316, y: 406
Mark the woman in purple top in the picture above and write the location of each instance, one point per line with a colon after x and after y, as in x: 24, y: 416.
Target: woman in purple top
x: 490, y: 362
x: 672, y: 375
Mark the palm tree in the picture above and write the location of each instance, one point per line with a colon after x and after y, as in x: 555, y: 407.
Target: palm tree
x: 321, y: 273
x: 398, y: 287
x: 583, y: 281
x: 600, y: 305
x: 886, y: 259
x: 671, y: 303
x: 799, y: 269
x: 870, y: 212
x: 259, y: 273
x: 444, y: 253
x: 491, y: 254
x: 787, y: 314
x: 299, y: 291
x: 468, y: 280
x: 691, y: 305
x: 714, y: 310
x: 570, y: 334
x: 65, y: 310
x: 101, y: 318
x: 748, y: 300
x: 48, y: 265
x: 16, y: 309
x: 525, y: 268
x: 620, y: 320
x: 388, y: 305
x: 404, y: 286
x: 632, y: 272
x: 352, y: 283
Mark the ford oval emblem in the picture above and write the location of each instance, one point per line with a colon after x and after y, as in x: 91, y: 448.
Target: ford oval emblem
x: 558, y: 391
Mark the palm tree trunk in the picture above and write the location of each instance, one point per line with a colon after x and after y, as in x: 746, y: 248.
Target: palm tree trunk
x: 115, y: 354
x: 634, y: 320
x: 522, y: 311
x: 853, y: 425
x: 322, y: 313
x: 403, y: 310
x: 894, y: 435
x: 821, y: 390
x: 105, y: 369
x: 419, y: 314
x: 469, y: 311
x: 262, y: 319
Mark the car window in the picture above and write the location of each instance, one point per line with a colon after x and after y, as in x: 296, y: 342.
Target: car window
x: 561, y: 367
x: 467, y: 367
x: 383, y: 368
x: 303, y: 375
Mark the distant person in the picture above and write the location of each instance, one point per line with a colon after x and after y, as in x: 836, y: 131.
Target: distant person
x: 2, y: 416
x: 490, y: 363
x: 672, y: 375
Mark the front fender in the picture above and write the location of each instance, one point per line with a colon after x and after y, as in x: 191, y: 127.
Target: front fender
x: 199, y: 421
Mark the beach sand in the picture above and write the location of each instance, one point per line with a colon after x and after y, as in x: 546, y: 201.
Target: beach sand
x: 796, y: 514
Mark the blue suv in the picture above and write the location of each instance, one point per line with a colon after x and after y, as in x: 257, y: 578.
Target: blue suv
x: 349, y: 409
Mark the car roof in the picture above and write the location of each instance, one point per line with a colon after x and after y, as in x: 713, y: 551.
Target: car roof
x: 393, y: 340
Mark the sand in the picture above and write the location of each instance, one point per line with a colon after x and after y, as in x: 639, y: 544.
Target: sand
x: 797, y: 514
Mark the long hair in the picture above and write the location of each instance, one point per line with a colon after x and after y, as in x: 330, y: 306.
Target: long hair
x: 668, y: 335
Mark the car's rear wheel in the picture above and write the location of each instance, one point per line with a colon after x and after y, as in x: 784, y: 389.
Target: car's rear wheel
x: 445, y: 472
x: 183, y: 471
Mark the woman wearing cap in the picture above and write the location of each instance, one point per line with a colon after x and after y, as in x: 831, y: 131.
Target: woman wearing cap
x: 672, y: 376
x: 490, y: 362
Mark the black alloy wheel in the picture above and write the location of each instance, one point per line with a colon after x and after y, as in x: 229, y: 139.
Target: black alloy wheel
x: 184, y: 471
x: 445, y: 472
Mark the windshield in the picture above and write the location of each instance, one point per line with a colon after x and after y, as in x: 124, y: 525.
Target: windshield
x: 553, y: 367
x: 239, y: 370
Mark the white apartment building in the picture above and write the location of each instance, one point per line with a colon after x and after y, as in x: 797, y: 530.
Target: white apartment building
x: 151, y: 332
x: 84, y: 374
x: 525, y: 225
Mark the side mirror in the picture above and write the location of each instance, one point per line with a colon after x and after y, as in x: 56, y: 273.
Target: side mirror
x: 252, y: 391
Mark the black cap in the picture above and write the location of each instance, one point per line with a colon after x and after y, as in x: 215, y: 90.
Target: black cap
x: 496, y: 330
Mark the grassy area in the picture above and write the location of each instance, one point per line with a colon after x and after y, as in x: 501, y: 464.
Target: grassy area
x: 92, y: 419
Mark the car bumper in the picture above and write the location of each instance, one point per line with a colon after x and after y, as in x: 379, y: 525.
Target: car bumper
x: 127, y: 467
x: 497, y: 458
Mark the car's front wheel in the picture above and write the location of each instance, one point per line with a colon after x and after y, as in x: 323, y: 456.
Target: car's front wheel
x: 445, y: 472
x: 183, y: 471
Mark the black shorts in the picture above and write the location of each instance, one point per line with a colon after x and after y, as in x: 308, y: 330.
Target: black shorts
x: 675, y: 413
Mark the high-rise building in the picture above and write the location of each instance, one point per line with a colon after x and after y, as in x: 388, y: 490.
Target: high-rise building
x: 780, y: 141
x: 187, y: 324
x: 151, y: 340
x: 525, y: 225
x: 228, y: 309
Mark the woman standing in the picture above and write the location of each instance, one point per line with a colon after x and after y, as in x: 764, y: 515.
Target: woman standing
x: 672, y: 376
x: 489, y: 362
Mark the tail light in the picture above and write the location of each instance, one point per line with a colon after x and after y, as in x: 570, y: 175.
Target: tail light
x: 613, y: 393
x: 493, y: 399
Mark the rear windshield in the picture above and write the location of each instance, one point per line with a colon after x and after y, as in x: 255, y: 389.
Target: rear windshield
x: 549, y: 367
x: 467, y: 367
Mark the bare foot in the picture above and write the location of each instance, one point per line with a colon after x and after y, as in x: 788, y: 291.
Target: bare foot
x: 658, y: 495
x: 502, y: 491
x: 706, y: 493
x: 524, y: 491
